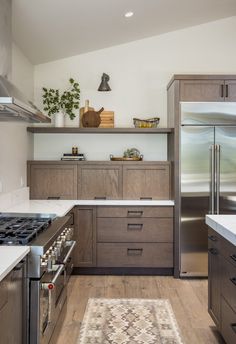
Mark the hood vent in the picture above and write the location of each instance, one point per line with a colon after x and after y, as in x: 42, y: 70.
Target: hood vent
x: 15, y: 107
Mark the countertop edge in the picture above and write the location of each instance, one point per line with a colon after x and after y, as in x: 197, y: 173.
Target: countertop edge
x: 222, y: 229
x: 4, y: 271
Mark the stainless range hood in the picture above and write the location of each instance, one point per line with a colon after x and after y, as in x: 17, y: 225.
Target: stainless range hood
x: 15, y: 107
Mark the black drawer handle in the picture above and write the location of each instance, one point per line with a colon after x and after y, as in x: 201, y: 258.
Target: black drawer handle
x: 100, y: 197
x: 135, y: 213
x: 134, y: 251
x: 213, y: 251
x: 226, y: 91
x: 233, y: 256
x: 135, y: 226
x: 233, y: 326
x: 212, y: 237
x: 233, y: 280
x: 222, y: 90
x: 146, y: 198
x: 53, y: 197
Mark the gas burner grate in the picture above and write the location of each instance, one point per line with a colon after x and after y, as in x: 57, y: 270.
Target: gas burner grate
x: 21, y: 230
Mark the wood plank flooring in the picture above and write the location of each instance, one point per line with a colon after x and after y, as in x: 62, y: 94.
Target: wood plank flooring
x: 188, y: 299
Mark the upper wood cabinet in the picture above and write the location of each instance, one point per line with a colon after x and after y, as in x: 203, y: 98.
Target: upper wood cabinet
x: 100, y: 181
x: 206, y: 88
x: 146, y: 181
x: 48, y: 180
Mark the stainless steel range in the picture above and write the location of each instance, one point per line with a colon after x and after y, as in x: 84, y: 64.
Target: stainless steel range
x: 50, y: 264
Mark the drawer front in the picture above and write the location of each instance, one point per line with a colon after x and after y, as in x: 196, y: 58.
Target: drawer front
x: 228, y: 282
x: 213, y: 239
x: 135, y: 255
x: 137, y: 212
x: 228, y: 322
x: 228, y: 250
x: 135, y: 230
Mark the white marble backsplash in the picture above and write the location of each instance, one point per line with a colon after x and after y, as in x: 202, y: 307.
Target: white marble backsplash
x: 13, y: 198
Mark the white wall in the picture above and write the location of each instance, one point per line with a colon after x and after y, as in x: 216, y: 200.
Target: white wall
x: 139, y: 74
x: 16, y: 144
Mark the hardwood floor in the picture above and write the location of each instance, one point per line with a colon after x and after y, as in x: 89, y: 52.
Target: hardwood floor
x: 188, y: 299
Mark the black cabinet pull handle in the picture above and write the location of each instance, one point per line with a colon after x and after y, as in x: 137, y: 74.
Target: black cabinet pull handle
x: 226, y: 91
x: 233, y: 256
x: 233, y: 326
x: 212, y: 237
x: 135, y: 226
x: 146, y: 198
x: 134, y: 251
x: 233, y: 280
x: 100, y: 197
x: 135, y: 213
x: 213, y: 251
x: 222, y: 90
x: 53, y: 197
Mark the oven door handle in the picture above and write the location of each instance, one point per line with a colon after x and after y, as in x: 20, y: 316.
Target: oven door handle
x: 72, y: 246
x: 51, y: 285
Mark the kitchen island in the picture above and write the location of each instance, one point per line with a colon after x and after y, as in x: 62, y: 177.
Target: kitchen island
x: 222, y: 274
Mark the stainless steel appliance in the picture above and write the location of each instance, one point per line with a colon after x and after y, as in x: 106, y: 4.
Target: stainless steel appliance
x: 49, y: 267
x: 208, y: 177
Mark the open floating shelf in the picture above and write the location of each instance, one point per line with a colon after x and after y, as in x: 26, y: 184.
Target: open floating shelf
x: 75, y: 130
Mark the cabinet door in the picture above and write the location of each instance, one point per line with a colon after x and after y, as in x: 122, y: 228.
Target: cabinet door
x: 85, y: 235
x: 202, y: 90
x: 146, y: 181
x: 214, y: 282
x: 100, y: 181
x: 230, y: 90
x: 52, y: 181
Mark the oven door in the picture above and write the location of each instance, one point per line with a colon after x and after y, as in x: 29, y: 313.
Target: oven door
x: 68, y: 259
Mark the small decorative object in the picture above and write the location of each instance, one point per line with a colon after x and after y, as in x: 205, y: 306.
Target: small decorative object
x: 62, y: 104
x: 104, y: 86
x: 74, y: 150
x: 132, y: 154
x: 146, y: 123
x: 92, y: 118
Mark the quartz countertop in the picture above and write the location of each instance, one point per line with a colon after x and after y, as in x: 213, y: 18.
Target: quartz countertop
x: 10, y: 256
x: 62, y: 207
x: 225, y: 225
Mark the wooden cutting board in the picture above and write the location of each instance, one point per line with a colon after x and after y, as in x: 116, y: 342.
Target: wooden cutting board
x: 107, y: 119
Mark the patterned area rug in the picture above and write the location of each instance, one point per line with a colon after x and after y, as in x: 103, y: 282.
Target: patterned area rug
x: 129, y: 321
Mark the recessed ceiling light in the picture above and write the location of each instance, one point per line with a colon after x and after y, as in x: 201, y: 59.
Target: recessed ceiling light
x: 129, y: 14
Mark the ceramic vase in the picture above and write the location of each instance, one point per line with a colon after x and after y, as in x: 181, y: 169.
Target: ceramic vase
x: 59, y: 119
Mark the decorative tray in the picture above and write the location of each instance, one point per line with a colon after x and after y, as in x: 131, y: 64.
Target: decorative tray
x: 113, y: 158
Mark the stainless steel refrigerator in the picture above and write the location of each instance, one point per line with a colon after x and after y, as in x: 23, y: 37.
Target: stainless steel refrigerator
x: 207, y: 177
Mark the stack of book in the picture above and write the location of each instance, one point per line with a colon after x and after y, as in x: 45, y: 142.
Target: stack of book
x: 73, y: 157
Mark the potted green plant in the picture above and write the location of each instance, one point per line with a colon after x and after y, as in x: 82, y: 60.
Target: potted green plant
x: 63, y: 104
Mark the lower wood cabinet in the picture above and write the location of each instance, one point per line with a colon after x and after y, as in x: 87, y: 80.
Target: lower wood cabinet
x: 85, y: 235
x: 222, y: 285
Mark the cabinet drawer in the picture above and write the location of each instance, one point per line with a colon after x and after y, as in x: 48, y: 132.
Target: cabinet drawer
x: 135, y: 212
x: 135, y: 230
x: 228, y: 250
x: 135, y: 255
x: 228, y: 324
x: 228, y: 282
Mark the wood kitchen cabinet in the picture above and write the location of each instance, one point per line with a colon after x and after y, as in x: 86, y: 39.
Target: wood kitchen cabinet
x: 100, y: 181
x: 222, y: 285
x: 50, y: 180
x: 85, y: 236
x: 207, y: 90
x: 146, y: 181
x: 135, y: 237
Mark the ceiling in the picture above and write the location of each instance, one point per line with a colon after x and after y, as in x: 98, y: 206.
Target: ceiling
x: 48, y: 30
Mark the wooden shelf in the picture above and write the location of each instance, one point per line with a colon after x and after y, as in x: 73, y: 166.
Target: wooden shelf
x: 75, y: 130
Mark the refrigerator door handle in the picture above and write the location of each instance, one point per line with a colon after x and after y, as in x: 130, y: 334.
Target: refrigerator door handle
x: 212, y: 180
x: 217, y: 168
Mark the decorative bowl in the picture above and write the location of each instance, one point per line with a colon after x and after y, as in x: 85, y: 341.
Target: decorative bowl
x: 146, y: 123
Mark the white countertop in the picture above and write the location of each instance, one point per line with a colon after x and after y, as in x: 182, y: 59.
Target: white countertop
x: 62, y: 207
x: 225, y: 225
x: 10, y: 256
